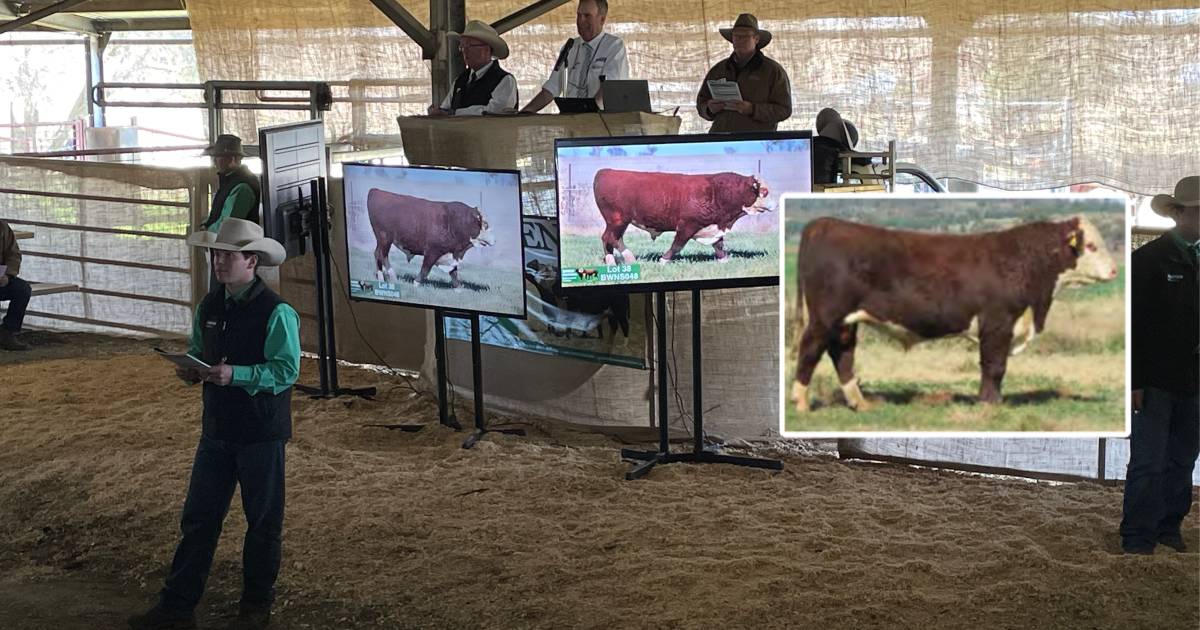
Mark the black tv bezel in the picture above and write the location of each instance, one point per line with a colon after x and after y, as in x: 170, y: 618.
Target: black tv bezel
x: 265, y: 214
x: 674, y: 285
x: 448, y: 309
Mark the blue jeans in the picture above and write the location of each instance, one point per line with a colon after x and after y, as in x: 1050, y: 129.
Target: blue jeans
x: 17, y: 292
x: 220, y: 466
x: 1163, y: 445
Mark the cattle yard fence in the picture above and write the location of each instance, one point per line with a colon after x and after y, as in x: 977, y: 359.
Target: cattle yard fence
x: 111, y: 234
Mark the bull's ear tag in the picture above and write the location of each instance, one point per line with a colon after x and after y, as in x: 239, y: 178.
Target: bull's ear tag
x: 1073, y: 242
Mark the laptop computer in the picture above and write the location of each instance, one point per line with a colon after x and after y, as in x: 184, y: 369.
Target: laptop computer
x: 576, y: 105
x: 632, y: 95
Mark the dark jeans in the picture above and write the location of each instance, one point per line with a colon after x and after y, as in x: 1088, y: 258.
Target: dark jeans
x: 17, y: 292
x: 218, y: 467
x: 1163, y: 445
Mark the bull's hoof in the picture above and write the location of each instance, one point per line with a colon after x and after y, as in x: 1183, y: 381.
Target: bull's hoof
x: 854, y: 397
x: 416, y: 283
x: 664, y: 260
x: 722, y: 259
x: 628, y: 256
x: 610, y: 260
x: 800, y: 397
x: 379, y: 276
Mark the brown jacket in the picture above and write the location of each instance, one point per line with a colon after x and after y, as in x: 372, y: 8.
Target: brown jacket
x: 10, y: 254
x: 762, y: 81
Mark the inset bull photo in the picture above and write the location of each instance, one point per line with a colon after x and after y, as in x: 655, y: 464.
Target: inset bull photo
x: 435, y: 237
x: 653, y: 212
x: 953, y: 313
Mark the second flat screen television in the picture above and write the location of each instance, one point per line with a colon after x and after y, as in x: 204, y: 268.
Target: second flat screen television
x: 647, y: 213
x: 435, y: 238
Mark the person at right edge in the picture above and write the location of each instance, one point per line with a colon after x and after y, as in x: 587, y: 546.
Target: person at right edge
x: 1164, y: 438
x: 763, y: 83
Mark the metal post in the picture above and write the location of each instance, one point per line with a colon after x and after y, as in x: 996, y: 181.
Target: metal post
x: 697, y: 377
x: 477, y: 371
x: 445, y: 16
x: 660, y: 359
x: 439, y: 357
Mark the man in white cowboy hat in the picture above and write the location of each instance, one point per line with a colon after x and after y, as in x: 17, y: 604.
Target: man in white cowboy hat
x: 765, y: 90
x: 237, y: 192
x: 584, y: 61
x: 251, y: 339
x: 1165, y: 377
x: 484, y: 87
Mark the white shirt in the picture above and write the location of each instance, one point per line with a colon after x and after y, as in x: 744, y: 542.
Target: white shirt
x: 503, y: 97
x: 586, y: 61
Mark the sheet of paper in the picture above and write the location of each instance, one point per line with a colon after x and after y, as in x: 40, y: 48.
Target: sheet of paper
x: 725, y: 90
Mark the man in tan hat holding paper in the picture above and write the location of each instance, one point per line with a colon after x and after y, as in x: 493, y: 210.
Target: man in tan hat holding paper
x: 1165, y: 377
x: 237, y: 192
x: 484, y: 87
x: 766, y: 94
x: 250, y: 338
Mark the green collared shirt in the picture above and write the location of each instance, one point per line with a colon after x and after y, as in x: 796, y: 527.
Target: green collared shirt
x: 281, y: 349
x: 238, y: 205
x: 1190, y: 250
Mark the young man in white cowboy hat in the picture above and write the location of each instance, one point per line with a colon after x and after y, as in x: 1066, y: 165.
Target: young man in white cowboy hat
x: 484, y: 87
x: 584, y: 61
x: 1165, y: 359
x: 766, y: 92
x: 237, y: 192
x: 251, y: 339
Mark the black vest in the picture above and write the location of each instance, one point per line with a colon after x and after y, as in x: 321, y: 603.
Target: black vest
x: 225, y: 185
x: 237, y: 337
x: 479, y: 92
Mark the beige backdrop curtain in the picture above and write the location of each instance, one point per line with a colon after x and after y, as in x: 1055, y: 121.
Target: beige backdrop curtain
x: 1012, y: 94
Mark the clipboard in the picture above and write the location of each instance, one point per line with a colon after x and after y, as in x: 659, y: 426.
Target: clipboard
x: 183, y: 359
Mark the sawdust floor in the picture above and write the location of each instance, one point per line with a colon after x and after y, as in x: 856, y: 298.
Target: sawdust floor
x: 387, y: 529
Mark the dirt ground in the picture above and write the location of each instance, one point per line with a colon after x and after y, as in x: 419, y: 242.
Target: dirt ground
x: 387, y: 529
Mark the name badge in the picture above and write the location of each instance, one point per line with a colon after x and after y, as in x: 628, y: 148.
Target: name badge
x: 1174, y: 277
x: 211, y: 323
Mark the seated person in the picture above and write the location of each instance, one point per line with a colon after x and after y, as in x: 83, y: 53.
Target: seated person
x: 484, y: 87
x: 584, y: 60
x: 13, y: 289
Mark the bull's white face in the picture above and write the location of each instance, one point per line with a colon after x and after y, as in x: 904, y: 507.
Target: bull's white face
x: 1094, y: 264
x: 760, y: 201
x: 485, y: 235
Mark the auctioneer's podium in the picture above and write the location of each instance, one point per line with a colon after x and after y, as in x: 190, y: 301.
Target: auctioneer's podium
x: 524, y: 142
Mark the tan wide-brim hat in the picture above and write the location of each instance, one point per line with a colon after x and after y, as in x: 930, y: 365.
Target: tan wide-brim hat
x: 484, y: 32
x: 1187, y: 194
x: 226, y: 144
x: 747, y: 20
x: 239, y: 235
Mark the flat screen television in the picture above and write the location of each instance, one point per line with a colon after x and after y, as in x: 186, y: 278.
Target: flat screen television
x: 648, y: 213
x: 293, y: 155
x: 435, y: 237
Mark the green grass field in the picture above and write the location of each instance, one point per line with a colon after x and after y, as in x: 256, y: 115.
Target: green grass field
x: 750, y: 255
x: 484, y: 288
x: 1071, y: 378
